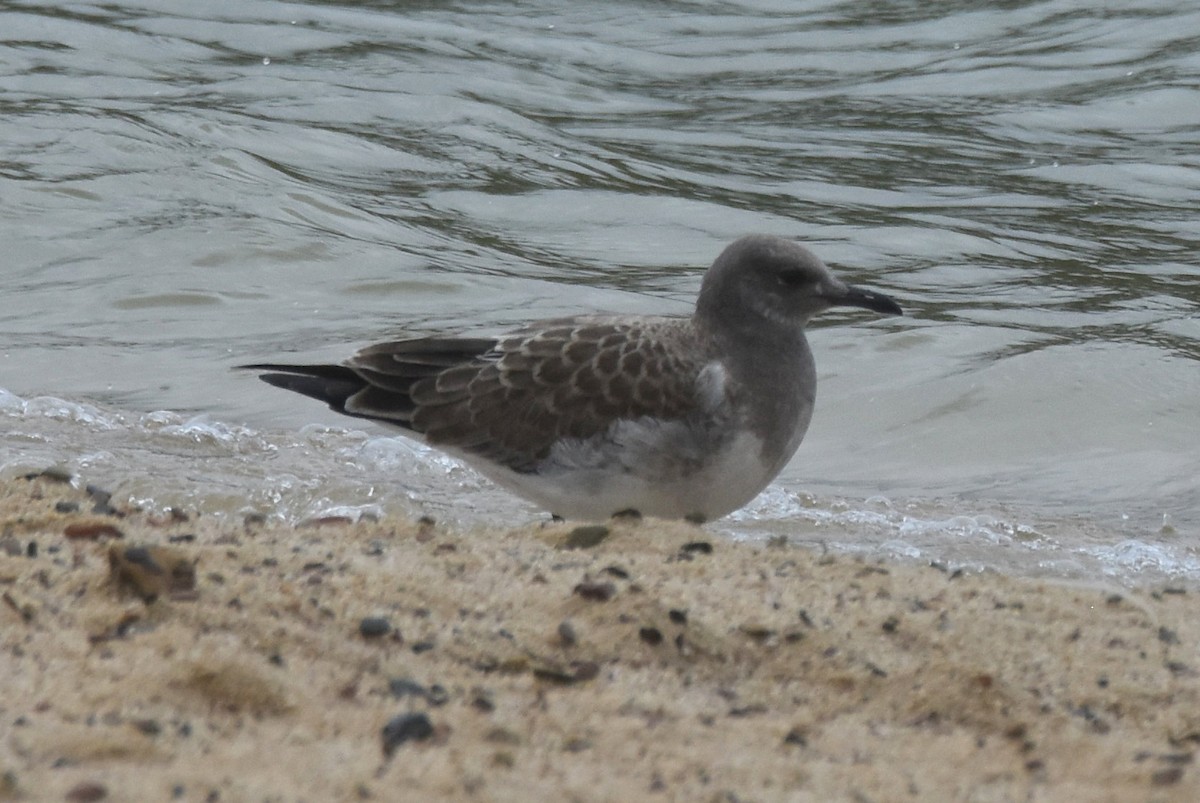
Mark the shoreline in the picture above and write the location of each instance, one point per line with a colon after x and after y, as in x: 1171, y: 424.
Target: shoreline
x: 637, y: 660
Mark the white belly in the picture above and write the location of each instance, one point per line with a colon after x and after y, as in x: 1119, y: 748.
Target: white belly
x: 581, y: 481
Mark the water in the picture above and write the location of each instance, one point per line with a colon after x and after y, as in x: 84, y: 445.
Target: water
x: 189, y: 187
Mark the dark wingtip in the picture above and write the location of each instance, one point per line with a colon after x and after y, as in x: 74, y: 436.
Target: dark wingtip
x: 332, y: 384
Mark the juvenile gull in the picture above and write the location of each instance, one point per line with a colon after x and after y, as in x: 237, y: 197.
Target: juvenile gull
x: 599, y: 414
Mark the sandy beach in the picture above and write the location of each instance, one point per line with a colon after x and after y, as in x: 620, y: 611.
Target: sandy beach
x: 198, y: 658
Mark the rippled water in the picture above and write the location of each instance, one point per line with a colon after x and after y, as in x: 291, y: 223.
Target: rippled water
x: 184, y: 187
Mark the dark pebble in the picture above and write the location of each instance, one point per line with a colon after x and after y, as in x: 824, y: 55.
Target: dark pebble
x: 150, y: 727
x: 405, y: 727
x: 374, y: 627
x: 651, y: 635
x: 423, y: 646
x: 481, y: 700
x: 576, y: 672
x: 758, y: 633
x: 890, y: 624
x: 677, y: 616
x: 697, y: 548
x: 31, y: 549
x: 406, y: 687
x: 150, y: 571
x: 181, y: 538
x: 56, y: 474
x: 1167, y: 777
x: 87, y: 791
x: 101, y: 499
x: 596, y: 592
x: 566, y: 634
x: 66, y: 507
x: 585, y: 537
x: 616, y: 571
x: 797, y: 737
x: 91, y: 529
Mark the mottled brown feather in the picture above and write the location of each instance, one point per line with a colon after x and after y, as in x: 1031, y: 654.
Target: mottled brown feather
x: 510, y: 401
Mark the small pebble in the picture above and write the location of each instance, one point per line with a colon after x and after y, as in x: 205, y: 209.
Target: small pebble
x: 101, y: 499
x: 11, y: 546
x: 797, y: 737
x: 585, y: 537
x: 651, y: 635
x: 66, y: 507
x: 374, y: 627
x: 405, y: 727
x: 86, y: 792
x: 91, y: 529
x: 150, y: 727
x: 697, y: 548
x: 56, y: 474
x: 576, y: 672
x: 151, y: 571
x: 1166, y: 777
x: 481, y: 700
x: 500, y: 735
x: 406, y: 687
x: 596, y: 592
x: 566, y: 634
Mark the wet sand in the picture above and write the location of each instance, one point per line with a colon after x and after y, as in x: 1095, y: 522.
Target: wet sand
x: 157, y: 657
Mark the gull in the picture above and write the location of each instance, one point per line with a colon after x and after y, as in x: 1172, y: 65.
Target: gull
x: 596, y: 415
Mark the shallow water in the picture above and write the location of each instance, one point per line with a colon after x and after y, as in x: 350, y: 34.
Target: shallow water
x: 187, y: 188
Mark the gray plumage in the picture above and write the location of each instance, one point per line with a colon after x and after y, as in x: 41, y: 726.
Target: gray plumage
x: 596, y: 414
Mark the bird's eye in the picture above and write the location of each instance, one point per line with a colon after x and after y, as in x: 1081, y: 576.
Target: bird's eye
x: 792, y: 278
